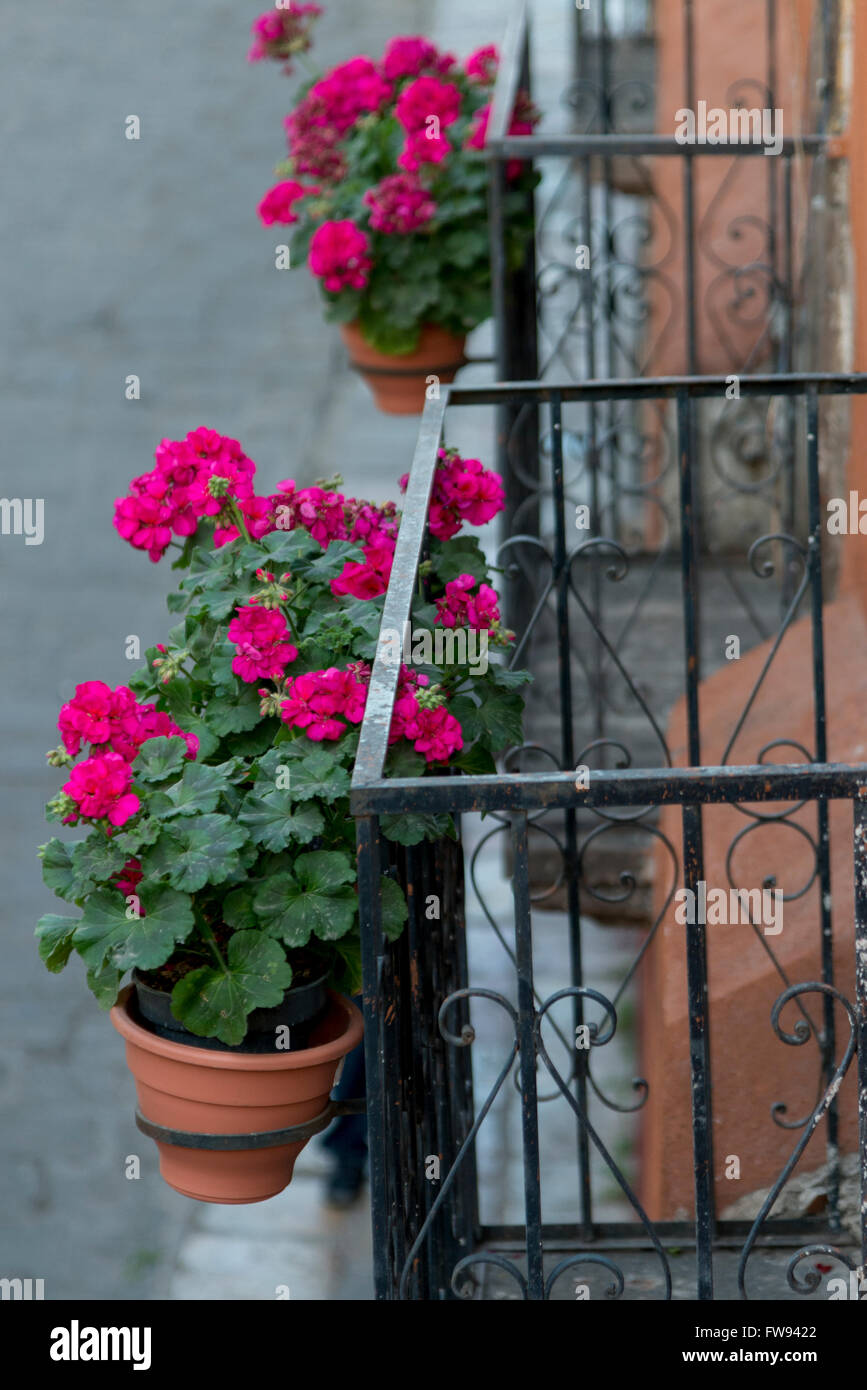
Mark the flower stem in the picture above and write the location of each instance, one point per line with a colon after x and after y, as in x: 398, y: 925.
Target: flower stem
x: 212, y: 941
x: 239, y: 519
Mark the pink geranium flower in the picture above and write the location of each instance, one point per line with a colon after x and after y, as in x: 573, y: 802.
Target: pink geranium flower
x: 407, y: 57
x: 101, y: 787
x: 321, y: 702
x: 399, y: 204
x: 367, y: 580
x: 459, y: 607
x: 423, y: 148
x: 424, y: 98
x: 338, y: 255
x: 279, y: 202
x: 261, y: 636
x: 482, y: 65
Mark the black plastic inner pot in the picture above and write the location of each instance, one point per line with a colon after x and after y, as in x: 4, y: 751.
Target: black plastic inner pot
x: 300, y: 1011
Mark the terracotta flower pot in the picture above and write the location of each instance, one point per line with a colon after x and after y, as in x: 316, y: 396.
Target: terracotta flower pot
x: 398, y: 382
x: 203, y: 1092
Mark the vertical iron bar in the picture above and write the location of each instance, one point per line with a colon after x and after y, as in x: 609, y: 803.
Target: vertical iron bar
x: 859, y: 807
x: 790, y: 405
x: 693, y: 860
x: 527, y: 1063
x: 690, y: 295
x: 689, y: 572
x: 370, y: 916
x: 517, y: 359
x: 561, y: 570
x: 699, y: 1057
x: 814, y: 551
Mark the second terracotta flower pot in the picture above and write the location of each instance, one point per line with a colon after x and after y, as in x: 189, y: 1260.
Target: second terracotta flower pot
x: 399, y: 383
x: 203, y: 1092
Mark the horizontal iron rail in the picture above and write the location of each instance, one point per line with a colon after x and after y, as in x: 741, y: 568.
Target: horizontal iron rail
x: 628, y: 1235
x: 665, y: 146
x: 678, y: 786
x: 651, y: 388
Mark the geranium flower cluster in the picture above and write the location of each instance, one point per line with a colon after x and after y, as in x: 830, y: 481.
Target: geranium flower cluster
x: 464, y: 490
x: 261, y: 636
x: 339, y: 256
x: 278, y: 205
x: 202, y: 476
x: 399, y: 205
x: 113, y: 721
x: 421, y: 717
x: 281, y: 34
x: 460, y: 607
x: 325, y: 703
x: 331, y: 106
x: 206, y: 476
x: 100, y: 787
x: 115, y: 726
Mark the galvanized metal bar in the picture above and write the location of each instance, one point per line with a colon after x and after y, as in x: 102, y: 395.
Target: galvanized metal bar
x: 515, y: 42
x: 527, y: 1059
x: 373, y: 740
x: 668, y: 786
x: 699, y: 1059
x: 859, y: 810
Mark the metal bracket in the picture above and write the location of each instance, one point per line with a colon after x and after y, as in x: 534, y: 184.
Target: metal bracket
x: 261, y: 1139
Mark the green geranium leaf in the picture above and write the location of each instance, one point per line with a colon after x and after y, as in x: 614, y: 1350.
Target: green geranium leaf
x: 394, y: 908
x: 107, y: 936
x: 273, y: 823
x: 191, y: 855
x: 412, y: 829
x: 329, y: 564
x: 499, y: 715
x: 234, y: 715
x: 403, y: 761
x: 55, y: 936
x: 160, y: 758
x: 105, y: 983
x: 346, y: 973
x: 316, y: 899
x: 237, y: 910
x: 477, y: 761
x: 463, y: 555
x: 321, y: 775
x: 58, y: 872
x: 215, y: 1001
x: 146, y: 832
x: 254, y: 741
x: 506, y: 678
x: 98, y: 860
x: 200, y: 787
x: 220, y: 665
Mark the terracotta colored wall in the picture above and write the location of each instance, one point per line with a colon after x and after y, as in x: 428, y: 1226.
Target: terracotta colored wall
x: 730, y: 45
x: 752, y: 1069
x: 854, y: 574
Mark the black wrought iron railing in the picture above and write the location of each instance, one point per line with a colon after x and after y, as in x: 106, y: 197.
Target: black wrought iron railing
x: 440, y: 1237
x: 694, y: 257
